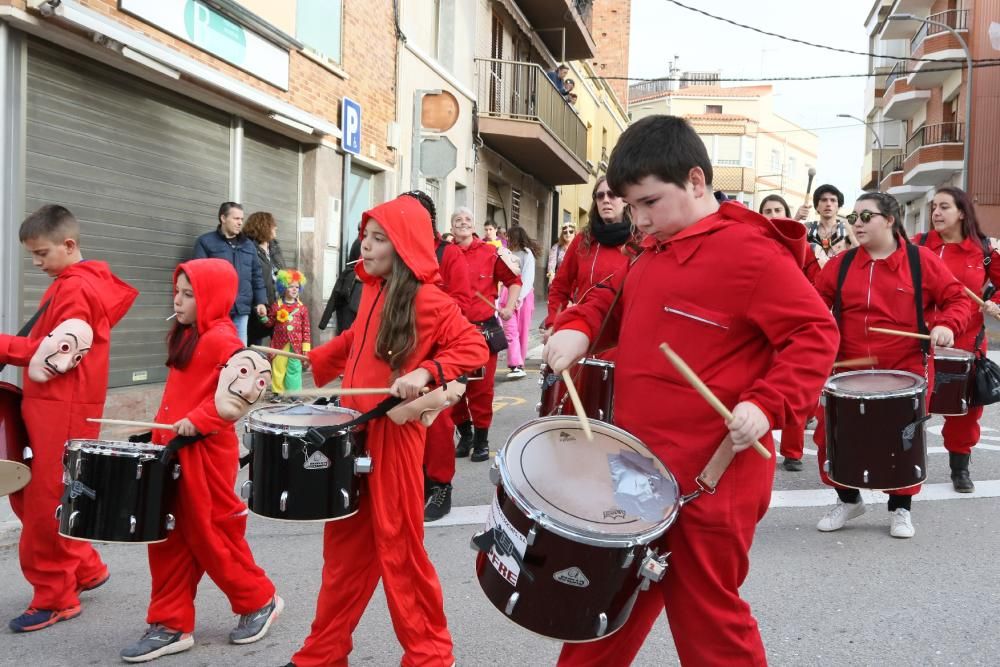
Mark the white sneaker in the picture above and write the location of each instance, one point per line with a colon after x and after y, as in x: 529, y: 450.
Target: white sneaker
x: 839, y: 515
x: 515, y: 373
x: 901, y: 526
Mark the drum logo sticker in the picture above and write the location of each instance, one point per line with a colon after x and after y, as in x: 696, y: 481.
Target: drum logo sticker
x: 317, y: 461
x: 572, y: 576
x: 616, y: 514
x: 509, y: 545
x: 566, y: 437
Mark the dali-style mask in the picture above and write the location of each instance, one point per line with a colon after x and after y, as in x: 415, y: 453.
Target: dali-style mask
x: 61, y: 351
x: 242, y: 383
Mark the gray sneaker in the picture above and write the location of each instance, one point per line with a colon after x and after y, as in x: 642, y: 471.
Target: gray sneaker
x: 158, y: 641
x: 254, y: 626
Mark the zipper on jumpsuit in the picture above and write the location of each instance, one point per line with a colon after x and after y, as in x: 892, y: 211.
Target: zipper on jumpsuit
x: 368, y: 322
x: 868, y: 308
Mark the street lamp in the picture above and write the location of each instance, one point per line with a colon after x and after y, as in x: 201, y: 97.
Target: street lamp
x: 968, y: 87
x: 878, y: 142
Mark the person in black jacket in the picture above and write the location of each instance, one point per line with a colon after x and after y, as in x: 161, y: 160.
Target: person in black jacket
x: 229, y: 243
x: 346, y: 294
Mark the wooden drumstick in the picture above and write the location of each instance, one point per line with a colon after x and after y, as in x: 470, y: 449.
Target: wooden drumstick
x: 705, y: 392
x: 975, y: 297
x: 896, y: 332
x: 341, y: 391
x: 577, y: 405
x: 128, y: 422
x: 488, y: 302
x: 283, y: 353
x: 860, y: 361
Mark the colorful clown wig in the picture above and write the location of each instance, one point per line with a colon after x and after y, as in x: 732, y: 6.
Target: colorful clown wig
x: 286, y: 277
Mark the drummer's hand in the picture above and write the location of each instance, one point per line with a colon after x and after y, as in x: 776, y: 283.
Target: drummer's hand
x: 412, y: 384
x: 564, y: 348
x: 942, y: 336
x: 803, y: 212
x: 748, y: 424
x: 185, y: 427
x: 992, y: 309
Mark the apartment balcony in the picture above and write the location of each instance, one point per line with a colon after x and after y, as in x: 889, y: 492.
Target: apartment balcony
x: 561, y: 25
x: 902, y: 100
x: 932, y: 41
x: 874, y: 159
x: 728, y: 178
x: 875, y: 88
x: 524, y: 118
x: 905, y: 29
x: 892, y: 181
x: 934, y: 154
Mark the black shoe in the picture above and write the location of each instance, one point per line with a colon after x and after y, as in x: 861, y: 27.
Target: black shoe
x: 464, y: 445
x: 438, y: 504
x: 481, y: 446
x: 960, y: 472
x: 792, y: 465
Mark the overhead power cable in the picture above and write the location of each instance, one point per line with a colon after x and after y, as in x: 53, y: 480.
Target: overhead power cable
x: 818, y: 46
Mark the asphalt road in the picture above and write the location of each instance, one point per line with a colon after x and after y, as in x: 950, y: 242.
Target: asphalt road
x: 855, y: 597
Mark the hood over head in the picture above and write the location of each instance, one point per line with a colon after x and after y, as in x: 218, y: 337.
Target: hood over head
x: 215, y: 284
x: 115, y: 295
x: 406, y: 223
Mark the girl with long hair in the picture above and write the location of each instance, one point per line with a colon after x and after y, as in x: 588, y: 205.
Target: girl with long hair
x: 525, y: 249
x: 958, y: 240
x: 408, y: 334
x: 878, y: 291
x: 557, y: 253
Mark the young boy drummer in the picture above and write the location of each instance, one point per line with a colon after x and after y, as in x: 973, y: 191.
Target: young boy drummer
x: 752, y: 327
x: 57, y: 410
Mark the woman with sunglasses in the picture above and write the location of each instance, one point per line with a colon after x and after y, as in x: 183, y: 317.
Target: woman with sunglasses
x: 557, y: 253
x: 958, y: 240
x: 595, y: 256
x: 878, y: 291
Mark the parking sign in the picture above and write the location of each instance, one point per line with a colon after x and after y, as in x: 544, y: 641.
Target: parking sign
x: 350, y: 126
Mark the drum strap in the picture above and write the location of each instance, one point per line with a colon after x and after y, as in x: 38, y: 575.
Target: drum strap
x: 717, y: 466
x: 913, y: 254
x: 319, y: 435
x: 30, y: 324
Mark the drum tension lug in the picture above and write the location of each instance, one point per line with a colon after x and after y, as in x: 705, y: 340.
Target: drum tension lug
x: 138, y: 471
x: 347, y: 498
x: 347, y: 447
x: 861, y: 408
x: 495, y: 473
x: 511, y: 603
x: 58, y: 512
x: 532, y: 535
x: 363, y: 465
x: 171, y: 522
x: 131, y: 525
x: 27, y: 453
x: 478, y: 542
x: 864, y: 476
x: 177, y: 471
x: 628, y: 560
x: 284, y: 450
x: 72, y: 520
x: 919, y: 471
x: 246, y: 489
x: 283, y: 501
x: 602, y: 624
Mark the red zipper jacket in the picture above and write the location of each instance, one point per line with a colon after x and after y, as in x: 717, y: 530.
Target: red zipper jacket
x: 486, y: 269
x: 965, y: 261
x: 582, y: 269
x: 748, y: 323
x: 879, y: 293
x: 455, y: 276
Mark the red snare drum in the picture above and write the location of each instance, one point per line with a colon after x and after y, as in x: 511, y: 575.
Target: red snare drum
x: 595, y: 382
x: 952, y: 381
x: 14, y: 474
x: 566, y: 547
x: 875, y: 429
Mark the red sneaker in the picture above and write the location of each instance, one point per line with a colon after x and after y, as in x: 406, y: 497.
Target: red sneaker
x: 91, y: 583
x: 36, y: 619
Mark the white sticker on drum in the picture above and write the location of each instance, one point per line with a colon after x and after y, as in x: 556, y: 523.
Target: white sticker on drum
x: 508, y: 546
x: 317, y: 461
x: 572, y: 576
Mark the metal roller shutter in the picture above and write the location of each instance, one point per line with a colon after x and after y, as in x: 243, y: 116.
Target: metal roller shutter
x: 142, y: 168
x: 271, y: 183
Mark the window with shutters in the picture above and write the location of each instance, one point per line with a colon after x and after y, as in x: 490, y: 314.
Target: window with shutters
x: 713, y: 108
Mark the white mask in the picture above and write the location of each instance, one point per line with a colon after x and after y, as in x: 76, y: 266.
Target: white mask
x: 242, y: 383
x: 61, y: 351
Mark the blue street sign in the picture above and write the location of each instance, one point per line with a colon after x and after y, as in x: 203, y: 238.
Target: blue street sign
x: 350, y: 126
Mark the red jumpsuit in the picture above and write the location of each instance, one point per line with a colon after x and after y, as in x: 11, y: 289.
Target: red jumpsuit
x: 965, y: 261
x: 384, y: 540
x: 486, y: 269
x: 752, y: 327
x: 879, y: 293
x: 211, y: 518
x: 54, y: 412
x: 439, y: 454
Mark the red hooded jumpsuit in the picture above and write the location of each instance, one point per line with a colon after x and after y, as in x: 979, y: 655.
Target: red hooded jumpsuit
x: 384, y: 540
x: 486, y: 269
x: 439, y: 457
x: 211, y: 518
x: 879, y: 293
x: 753, y: 331
x: 965, y: 261
x: 57, y: 411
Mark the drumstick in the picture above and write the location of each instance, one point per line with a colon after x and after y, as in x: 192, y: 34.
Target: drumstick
x: 577, y: 405
x: 860, y: 361
x: 975, y: 297
x: 488, y: 302
x: 284, y: 353
x: 705, y: 392
x: 896, y: 332
x: 128, y: 422
x: 341, y: 391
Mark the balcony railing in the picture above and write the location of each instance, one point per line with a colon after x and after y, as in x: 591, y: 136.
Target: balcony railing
x: 523, y: 91
x: 896, y: 72
x: 895, y: 163
x: 940, y: 133
x: 957, y: 19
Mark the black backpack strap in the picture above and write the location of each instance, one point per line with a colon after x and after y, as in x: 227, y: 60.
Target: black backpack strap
x: 841, y: 277
x: 439, y: 252
x: 913, y: 255
x: 923, y: 238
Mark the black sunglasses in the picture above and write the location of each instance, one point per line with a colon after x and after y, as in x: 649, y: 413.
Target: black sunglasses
x: 864, y: 216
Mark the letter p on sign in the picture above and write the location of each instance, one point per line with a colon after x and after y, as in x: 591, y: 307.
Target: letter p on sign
x: 350, y: 126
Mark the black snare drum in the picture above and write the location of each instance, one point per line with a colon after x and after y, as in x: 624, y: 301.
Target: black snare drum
x: 292, y: 478
x: 116, y: 492
x: 952, y: 381
x: 594, y: 380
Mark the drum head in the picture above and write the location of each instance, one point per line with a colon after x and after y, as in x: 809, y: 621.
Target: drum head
x: 298, y: 418
x: 143, y: 450
x: 14, y: 476
x: 609, y: 492
x: 875, y: 384
x: 952, y: 353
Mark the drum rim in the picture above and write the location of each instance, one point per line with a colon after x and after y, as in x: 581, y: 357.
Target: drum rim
x: 572, y: 533
x: 255, y: 425
x: 586, y: 361
x: 921, y: 386
x: 964, y: 356
x: 133, y: 450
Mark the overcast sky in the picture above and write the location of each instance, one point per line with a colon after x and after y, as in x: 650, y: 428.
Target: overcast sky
x: 661, y: 30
